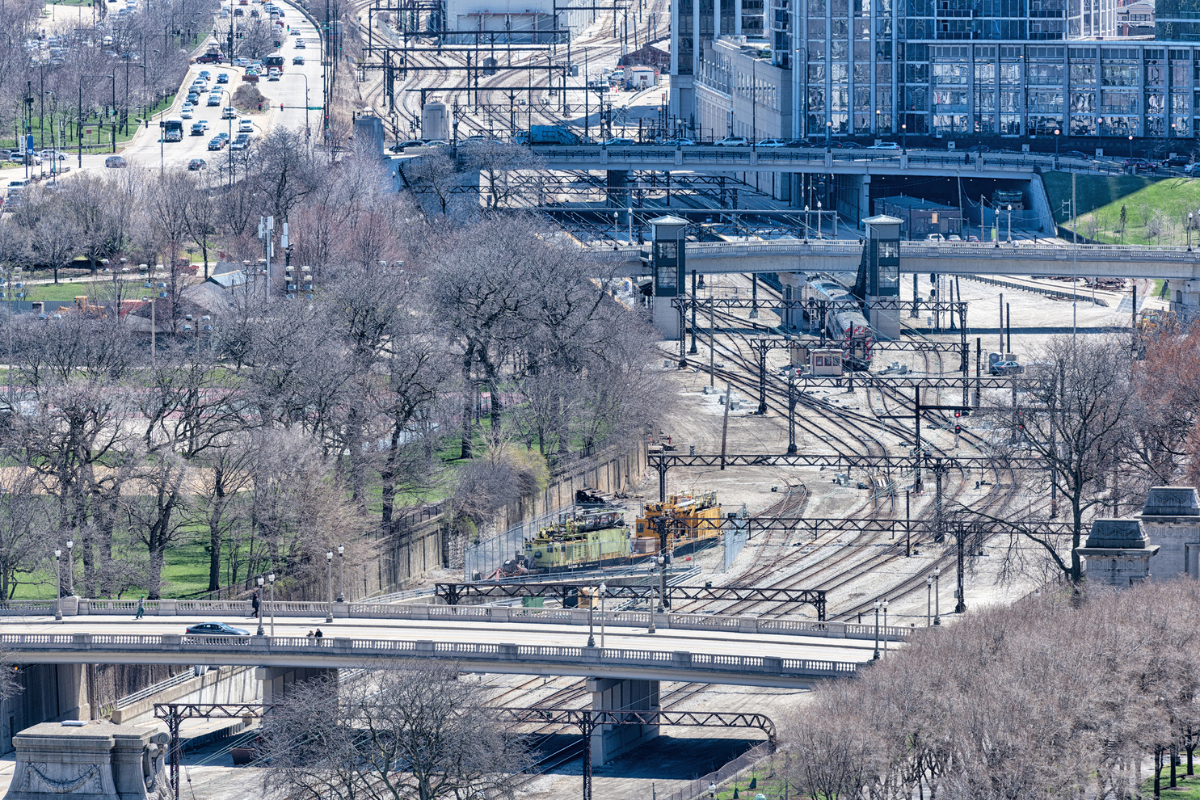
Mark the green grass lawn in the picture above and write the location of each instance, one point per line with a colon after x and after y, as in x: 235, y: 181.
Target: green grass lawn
x: 1188, y: 789
x: 101, y: 134
x: 1155, y: 208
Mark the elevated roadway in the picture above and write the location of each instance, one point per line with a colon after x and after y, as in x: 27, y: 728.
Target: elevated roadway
x: 725, y: 657
x: 865, y: 161
x: 951, y: 258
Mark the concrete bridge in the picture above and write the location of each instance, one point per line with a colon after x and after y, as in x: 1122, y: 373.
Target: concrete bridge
x: 950, y: 258
x: 865, y: 161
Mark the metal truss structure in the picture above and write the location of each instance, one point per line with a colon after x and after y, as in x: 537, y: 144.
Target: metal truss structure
x: 568, y: 592
x: 587, y: 720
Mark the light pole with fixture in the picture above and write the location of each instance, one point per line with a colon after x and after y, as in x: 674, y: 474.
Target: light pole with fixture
x: 819, y: 234
x: 1010, y: 223
x: 329, y: 583
x: 875, y: 657
x: 885, y: 641
x: 603, y: 594
x: 271, y: 580
x: 70, y: 567
x: 341, y: 572
x: 1189, y: 231
x: 1057, y: 131
x: 1131, y: 169
x: 928, y: 599
x: 260, y: 582
x: 937, y: 600
x: 591, y: 607
x: 58, y: 585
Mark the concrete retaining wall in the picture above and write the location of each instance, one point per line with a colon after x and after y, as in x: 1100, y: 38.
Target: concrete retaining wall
x: 220, y: 685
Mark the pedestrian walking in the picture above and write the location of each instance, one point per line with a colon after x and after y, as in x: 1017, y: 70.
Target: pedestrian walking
x: 254, y: 604
x: 141, y: 608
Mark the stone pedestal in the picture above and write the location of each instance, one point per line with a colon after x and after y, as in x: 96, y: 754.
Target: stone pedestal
x: 1117, y: 553
x: 97, y: 761
x: 1171, y: 517
x: 610, y: 741
x: 275, y: 680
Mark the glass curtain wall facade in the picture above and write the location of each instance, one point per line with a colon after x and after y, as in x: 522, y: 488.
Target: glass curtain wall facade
x: 956, y: 67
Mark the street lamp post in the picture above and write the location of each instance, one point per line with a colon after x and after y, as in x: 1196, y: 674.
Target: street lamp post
x: 876, y: 656
x: 591, y: 608
x: 819, y: 234
x: 329, y: 583
x: 937, y: 600
x: 603, y: 595
x: 1057, y: 131
x: 1010, y: 223
x: 928, y: 599
x: 58, y: 585
x: 904, y: 138
x: 885, y: 641
x: 260, y: 582
x: 162, y: 147
x: 1189, y: 231
x: 271, y: 580
x: 341, y: 572
x: 1131, y: 145
x: 70, y: 567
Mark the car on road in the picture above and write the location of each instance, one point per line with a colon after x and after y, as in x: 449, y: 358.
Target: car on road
x: 29, y: 158
x: 229, y: 112
x: 298, y: 61
x: 186, y: 112
x: 618, y: 141
x: 245, y: 125
x: 398, y: 147
x: 1176, y: 161
x: 273, y: 74
x: 437, y: 143
x: 954, y: 237
x: 241, y: 142
x: 53, y: 155
x: 731, y: 141
x: 197, y: 129
x: 884, y: 146
x: 935, y: 237
x: 1006, y: 368
x: 216, y: 629
x: 296, y: 32
x: 241, y: 62
x: 115, y: 162
x: 772, y: 143
x: 979, y: 148
x: 1076, y: 154
x: 681, y: 141
x: 214, y: 100
x: 197, y: 164
x: 222, y: 77
x: 216, y: 143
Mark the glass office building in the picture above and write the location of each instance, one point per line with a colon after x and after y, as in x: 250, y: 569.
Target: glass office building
x: 939, y: 67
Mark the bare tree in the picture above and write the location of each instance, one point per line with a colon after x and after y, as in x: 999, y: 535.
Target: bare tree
x: 414, y: 732
x: 496, y: 162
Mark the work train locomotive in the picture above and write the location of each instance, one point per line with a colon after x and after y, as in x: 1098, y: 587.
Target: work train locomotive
x: 600, y: 537
x: 844, y: 321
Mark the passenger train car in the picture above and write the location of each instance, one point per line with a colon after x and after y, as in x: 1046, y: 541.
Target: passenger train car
x: 844, y: 320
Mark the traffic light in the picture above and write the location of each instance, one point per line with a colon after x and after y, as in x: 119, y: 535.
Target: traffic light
x: 281, y: 106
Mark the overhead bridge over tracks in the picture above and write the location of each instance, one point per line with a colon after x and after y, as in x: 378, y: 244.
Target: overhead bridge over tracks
x: 699, y: 665
x: 862, y: 161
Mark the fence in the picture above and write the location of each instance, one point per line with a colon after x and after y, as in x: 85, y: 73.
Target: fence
x: 485, y: 557
x: 699, y: 786
x: 1055, y: 294
x: 735, y: 539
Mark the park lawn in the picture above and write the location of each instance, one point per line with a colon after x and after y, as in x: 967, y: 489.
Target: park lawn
x: 1101, y: 198
x: 42, y: 136
x: 1188, y: 789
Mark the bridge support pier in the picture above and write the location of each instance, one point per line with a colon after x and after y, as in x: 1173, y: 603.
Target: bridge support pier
x: 610, y: 741
x: 791, y: 316
x: 275, y: 680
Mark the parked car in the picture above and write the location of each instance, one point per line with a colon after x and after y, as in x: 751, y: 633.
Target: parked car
x: 772, y: 143
x: 115, y: 162
x: 979, y: 148
x: 197, y: 164
x: 681, y: 141
x: 1176, y: 161
x: 216, y: 629
x: 1006, y: 368
x: 935, y: 237
x: 399, y: 147
x: 1076, y: 154
x: 618, y: 141
x: 884, y: 146
x: 732, y: 141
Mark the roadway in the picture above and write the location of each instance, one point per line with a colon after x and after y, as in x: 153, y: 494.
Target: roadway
x: 751, y: 659
x: 147, y: 150
x: 952, y: 258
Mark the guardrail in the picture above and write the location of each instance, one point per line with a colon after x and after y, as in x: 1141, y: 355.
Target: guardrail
x: 368, y: 610
x: 1055, y: 294
x: 336, y: 652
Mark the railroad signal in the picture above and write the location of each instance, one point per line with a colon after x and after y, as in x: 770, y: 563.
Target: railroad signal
x: 281, y: 106
x: 957, y: 430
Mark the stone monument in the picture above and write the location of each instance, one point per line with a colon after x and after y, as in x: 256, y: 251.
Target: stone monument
x: 93, y: 761
x: 1172, y: 516
x: 1117, y: 553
